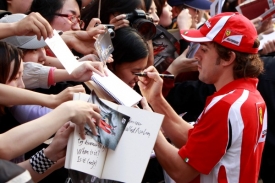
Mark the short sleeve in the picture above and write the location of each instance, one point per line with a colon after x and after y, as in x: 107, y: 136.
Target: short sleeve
x: 35, y: 75
x: 208, y: 141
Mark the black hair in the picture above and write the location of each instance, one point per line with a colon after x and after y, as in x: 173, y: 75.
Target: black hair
x: 129, y: 46
x: 48, y: 8
x: 108, y: 7
x: 8, y: 54
x: 246, y: 65
x: 147, y: 4
x: 159, y: 5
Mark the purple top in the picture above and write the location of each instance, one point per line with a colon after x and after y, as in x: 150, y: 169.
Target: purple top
x: 25, y: 113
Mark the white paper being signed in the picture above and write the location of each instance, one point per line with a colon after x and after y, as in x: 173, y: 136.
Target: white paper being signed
x: 62, y: 52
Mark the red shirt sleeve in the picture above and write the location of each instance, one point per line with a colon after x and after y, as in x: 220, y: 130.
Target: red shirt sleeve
x: 208, y: 140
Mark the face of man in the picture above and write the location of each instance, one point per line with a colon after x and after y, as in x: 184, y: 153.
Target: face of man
x: 209, y: 63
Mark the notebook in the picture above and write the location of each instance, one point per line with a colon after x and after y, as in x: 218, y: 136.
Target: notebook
x: 117, y: 89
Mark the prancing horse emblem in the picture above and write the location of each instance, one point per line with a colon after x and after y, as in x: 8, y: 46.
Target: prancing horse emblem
x: 227, y: 32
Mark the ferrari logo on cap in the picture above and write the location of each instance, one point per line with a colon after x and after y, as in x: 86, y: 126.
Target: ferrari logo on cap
x: 232, y: 37
x: 185, y: 32
x: 227, y: 32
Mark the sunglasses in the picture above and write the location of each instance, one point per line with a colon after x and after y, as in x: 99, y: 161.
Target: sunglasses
x: 73, y: 19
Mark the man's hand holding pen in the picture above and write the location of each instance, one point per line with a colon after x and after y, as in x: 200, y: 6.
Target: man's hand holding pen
x: 151, y: 85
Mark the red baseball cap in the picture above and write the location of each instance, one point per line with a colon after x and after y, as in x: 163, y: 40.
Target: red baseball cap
x: 231, y: 30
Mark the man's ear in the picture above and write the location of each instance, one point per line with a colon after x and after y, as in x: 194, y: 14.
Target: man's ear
x: 230, y: 60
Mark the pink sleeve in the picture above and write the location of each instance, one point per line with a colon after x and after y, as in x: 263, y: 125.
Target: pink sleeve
x: 51, y: 77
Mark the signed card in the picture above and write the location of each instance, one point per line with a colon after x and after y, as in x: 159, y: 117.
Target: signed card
x: 62, y: 52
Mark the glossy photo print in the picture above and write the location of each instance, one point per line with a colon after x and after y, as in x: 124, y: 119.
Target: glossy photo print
x: 112, y: 124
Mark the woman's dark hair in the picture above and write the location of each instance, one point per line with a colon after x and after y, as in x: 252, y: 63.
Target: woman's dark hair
x: 147, y: 5
x: 246, y: 64
x: 8, y: 54
x: 48, y: 8
x: 108, y: 7
x: 129, y: 46
x: 159, y: 5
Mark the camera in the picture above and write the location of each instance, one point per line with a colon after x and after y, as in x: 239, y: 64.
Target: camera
x: 111, y: 29
x: 142, y: 23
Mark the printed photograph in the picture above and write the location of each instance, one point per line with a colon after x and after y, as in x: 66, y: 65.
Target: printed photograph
x: 112, y: 124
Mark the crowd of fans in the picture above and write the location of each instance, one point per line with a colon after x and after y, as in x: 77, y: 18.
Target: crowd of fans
x: 219, y: 109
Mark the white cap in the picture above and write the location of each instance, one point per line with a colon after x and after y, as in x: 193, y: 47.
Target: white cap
x: 25, y: 42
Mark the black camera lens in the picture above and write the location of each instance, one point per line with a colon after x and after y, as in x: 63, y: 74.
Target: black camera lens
x: 111, y: 32
x: 142, y: 23
x: 145, y: 27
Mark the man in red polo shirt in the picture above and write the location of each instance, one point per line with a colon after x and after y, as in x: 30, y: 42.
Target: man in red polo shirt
x: 226, y: 142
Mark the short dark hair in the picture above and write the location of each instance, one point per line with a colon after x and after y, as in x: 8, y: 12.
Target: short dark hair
x: 129, y: 46
x: 108, y: 7
x: 246, y: 65
x: 48, y: 8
